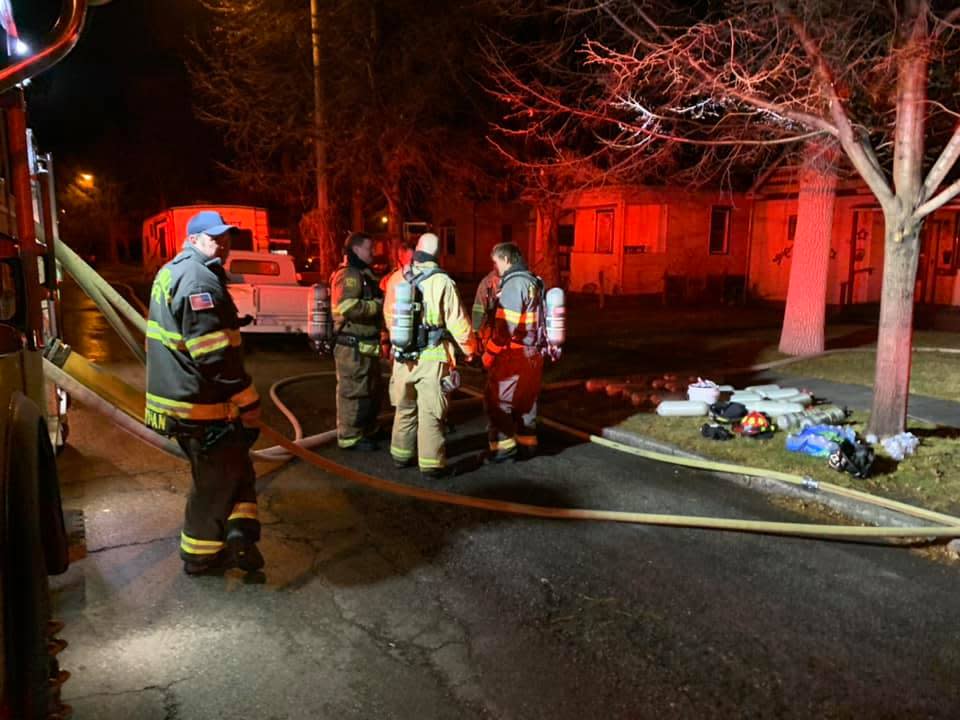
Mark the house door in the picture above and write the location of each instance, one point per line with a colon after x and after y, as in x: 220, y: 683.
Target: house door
x: 936, y: 245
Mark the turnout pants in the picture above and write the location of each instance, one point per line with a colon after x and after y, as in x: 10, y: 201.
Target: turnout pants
x: 421, y: 413
x: 510, y: 398
x: 358, y: 395
x: 224, y: 496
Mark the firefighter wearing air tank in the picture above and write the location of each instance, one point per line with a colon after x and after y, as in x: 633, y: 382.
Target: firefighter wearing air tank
x: 513, y: 356
x: 199, y: 393
x: 427, y: 323
x: 357, y: 304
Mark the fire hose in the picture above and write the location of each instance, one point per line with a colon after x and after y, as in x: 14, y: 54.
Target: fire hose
x: 123, y: 404
x: 111, y: 396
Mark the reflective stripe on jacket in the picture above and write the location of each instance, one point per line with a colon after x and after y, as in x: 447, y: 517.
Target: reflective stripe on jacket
x: 194, y: 356
x: 517, y: 317
x: 356, y: 306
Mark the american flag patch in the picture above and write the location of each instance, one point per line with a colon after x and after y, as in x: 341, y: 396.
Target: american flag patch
x: 201, y: 301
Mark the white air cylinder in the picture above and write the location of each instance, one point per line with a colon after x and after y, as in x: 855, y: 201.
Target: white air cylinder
x: 556, y: 320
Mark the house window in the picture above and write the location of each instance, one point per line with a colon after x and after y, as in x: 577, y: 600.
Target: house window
x: 791, y: 228
x: 450, y: 240
x: 645, y: 229
x: 565, y: 236
x: 604, y: 232
x: 720, y: 230
x: 162, y: 240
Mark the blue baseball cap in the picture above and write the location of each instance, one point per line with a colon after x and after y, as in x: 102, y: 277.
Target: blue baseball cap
x: 209, y: 222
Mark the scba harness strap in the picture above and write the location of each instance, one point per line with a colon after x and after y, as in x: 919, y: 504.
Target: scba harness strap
x: 425, y: 335
x: 541, y: 343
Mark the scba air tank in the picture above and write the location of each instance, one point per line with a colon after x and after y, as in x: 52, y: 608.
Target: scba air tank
x: 401, y: 327
x: 319, y: 319
x: 556, y: 320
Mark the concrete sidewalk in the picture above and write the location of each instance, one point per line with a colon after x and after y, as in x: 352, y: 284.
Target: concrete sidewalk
x: 860, y: 397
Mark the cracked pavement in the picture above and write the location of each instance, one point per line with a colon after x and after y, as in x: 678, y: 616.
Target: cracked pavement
x: 374, y: 606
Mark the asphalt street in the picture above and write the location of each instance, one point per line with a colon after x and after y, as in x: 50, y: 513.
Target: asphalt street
x: 374, y: 606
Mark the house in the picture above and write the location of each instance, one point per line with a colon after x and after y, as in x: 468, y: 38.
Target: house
x: 641, y: 240
x: 697, y: 245
x: 468, y: 229
x: 857, y: 245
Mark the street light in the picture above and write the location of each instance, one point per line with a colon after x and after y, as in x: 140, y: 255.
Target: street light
x: 86, y: 179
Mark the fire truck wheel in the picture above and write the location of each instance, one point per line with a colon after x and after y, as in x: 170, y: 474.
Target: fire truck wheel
x: 26, y: 592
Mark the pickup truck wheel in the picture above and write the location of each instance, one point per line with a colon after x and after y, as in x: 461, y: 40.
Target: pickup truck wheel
x: 31, y: 692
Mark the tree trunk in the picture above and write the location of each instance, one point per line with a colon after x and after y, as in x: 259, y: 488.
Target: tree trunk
x: 804, y: 317
x: 392, y: 195
x: 546, y: 250
x: 891, y: 385
x: 322, y: 225
x: 356, y: 211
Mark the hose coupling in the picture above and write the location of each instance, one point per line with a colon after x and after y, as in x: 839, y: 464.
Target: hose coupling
x: 809, y: 484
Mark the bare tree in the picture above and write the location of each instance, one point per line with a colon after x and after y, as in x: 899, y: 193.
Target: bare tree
x: 804, y: 318
x: 875, y: 77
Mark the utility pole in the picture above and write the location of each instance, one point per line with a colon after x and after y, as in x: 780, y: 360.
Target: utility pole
x: 320, y: 140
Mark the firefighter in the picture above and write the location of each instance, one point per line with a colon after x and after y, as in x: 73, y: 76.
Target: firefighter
x: 513, y: 358
x: 485, y: 307
x: 421, y: 381
x: 357, y: 320
x: 199, y: 393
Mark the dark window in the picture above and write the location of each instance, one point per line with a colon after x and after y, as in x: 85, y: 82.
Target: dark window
x: 720, y: 230
x: 241, y: 239
x: 254, y: 267
x: 506, y: 233
x: 604, y: 231
x: 162, y: 240
x: 9, y: 305
x: 450, y: 234
x: 791, y: 228
x: 565, y: 236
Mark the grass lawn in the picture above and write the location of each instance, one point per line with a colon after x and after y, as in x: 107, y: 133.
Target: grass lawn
x: 929, y: 478
x: 933, y: 374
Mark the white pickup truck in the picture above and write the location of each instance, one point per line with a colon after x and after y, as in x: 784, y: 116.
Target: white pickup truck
x: 265, y: 287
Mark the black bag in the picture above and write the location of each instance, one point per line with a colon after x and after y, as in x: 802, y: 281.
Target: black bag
x: 728, y: 412
x: 855, y: 458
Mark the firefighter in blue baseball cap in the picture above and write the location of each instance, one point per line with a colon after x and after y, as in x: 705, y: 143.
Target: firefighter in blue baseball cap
x: 199, y: 393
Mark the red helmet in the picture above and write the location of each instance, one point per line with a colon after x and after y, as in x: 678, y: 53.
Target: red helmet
x: 755, y: 423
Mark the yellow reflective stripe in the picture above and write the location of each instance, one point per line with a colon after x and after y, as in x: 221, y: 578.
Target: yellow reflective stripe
x: 438, y: 353
x: 170, y: 339
x: 430, y: 463
x: 508, y: 444
x: 236, y: 339
x: 527, y: 440
x: 191, y: 411
x: 245, y: 397
x: 199, y: 547
x: 244, y: 511
x: 206, y: 344
x: 526, y: 318
x: 400, y: 453
x: 348, y: 442
x: 345, y: 306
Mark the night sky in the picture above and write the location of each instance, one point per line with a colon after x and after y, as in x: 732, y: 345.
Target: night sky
x: 119, y: 105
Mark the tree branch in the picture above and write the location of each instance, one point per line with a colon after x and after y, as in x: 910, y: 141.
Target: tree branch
x: 854, y: 147
x: 938, y: 201
x: 942, y: 166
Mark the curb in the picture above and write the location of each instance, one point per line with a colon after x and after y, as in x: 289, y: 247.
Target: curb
x: 853, y: 509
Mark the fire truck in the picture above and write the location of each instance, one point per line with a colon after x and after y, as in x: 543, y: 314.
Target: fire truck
x: 33, y: 541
